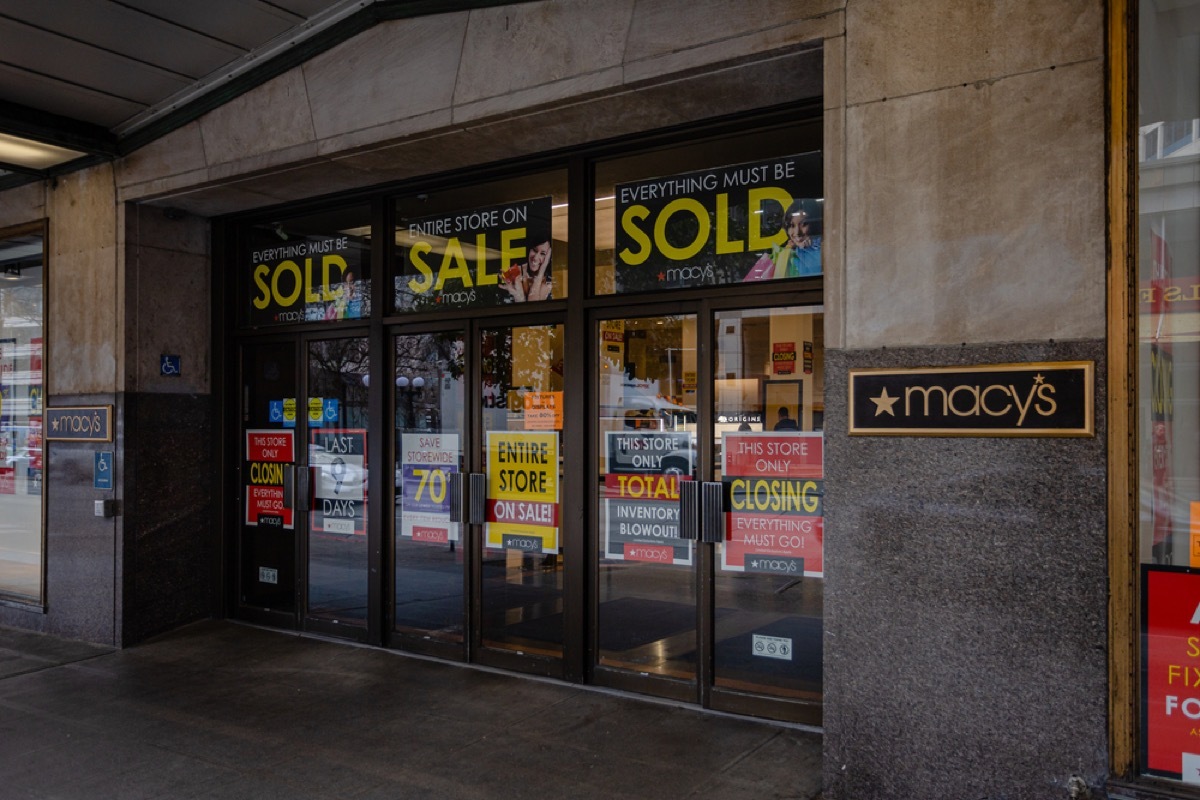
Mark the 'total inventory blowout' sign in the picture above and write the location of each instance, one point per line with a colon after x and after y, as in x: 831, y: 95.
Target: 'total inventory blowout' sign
x: 1037, y: 399
x: 1171, y: 670
x: 339, y: 501
x: 748, y: 222
x: 522, y: 491
x: 642, y: 500
x: 774, y: 489
x: 427, y: 460
x: 482, y: 257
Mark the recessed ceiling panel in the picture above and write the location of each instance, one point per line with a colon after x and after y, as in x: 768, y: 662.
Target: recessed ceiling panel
x: 245, y: 23
x: 59, y: 57
x: 126, y: 31
x: 64, y: 99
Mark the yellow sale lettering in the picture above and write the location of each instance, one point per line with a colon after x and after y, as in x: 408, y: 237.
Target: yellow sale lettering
x: 454, y: 265
x: 774, y: 495
x: 266, y: 474
x: 272, y: 282
x: 635, y: 216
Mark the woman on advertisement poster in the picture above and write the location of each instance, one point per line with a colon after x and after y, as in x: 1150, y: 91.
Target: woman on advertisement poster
x: 800, y: 255
x: 532, y: 281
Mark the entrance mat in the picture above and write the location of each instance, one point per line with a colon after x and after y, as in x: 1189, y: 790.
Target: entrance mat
x: 738, y: 659
x: 625, y: 623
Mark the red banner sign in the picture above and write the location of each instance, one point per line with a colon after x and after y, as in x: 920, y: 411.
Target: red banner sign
x: 1171, y: 712
x: 277, y: 446
x: 779, y: 455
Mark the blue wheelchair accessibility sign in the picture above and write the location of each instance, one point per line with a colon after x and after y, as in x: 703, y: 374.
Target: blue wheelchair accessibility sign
x: 331, y: 410
x: 102, y: 470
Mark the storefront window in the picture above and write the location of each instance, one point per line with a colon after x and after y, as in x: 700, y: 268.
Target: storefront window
x: 1169, y: 384
x: 663, y: 223
x: 485, y: 245
x: 21, y: 395
x: 313, y: 268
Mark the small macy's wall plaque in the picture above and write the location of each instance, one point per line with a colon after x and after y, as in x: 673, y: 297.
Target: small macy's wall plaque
x: 1035, y: 399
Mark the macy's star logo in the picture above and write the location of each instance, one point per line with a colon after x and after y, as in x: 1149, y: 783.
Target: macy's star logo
x: 884, y: 403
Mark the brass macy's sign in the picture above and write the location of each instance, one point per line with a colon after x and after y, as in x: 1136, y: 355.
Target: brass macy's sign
x: 1035, y: 399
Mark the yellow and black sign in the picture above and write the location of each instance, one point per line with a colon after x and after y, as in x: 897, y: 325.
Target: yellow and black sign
x: 1036, y: 399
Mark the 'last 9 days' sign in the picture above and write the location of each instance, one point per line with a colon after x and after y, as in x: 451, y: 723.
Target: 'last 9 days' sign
x: 1171, y: 671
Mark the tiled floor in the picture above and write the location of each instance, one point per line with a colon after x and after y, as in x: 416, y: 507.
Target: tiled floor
x: 220, y: 710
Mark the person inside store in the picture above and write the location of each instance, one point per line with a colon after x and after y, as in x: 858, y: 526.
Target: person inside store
x: 532, y: 281
x: 785, y: 422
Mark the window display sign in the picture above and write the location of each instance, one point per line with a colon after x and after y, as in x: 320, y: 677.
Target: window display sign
x: 774, y: 487
x: 482, y: 257
x: 1171, y: 672
x: 750, y: 222
x: 642, y: 495
x: 427, y: 460
x: 267, y: 451
x: 315, y: 279
x: 522, y: 491
x: 338, y: 458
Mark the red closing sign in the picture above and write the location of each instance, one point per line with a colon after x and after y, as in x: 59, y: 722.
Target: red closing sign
x: 1171, y: 665
x: 276, y: 446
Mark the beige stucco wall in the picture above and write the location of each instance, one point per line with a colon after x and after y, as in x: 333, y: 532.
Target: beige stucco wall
x: 974, y: 173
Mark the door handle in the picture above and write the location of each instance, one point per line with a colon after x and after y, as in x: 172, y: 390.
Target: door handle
x: 477, y: 499
x: 689, y: 510
x: 712, y: 512
x: 302, y: 484
x: 456, y: 497
x: 289, y: 486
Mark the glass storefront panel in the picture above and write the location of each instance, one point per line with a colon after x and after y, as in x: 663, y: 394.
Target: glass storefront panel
x: 311, y: 268
x: 1168, y: 326
x: 522, y: 568
x: 646, y: 578
x: 21, y: 403
x: 769, y: 396
x: 670, y: 220
x: 490, y: 244
x: 430, y: 547
x: 336, y: 410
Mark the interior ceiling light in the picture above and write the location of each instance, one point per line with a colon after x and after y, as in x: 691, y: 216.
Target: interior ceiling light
x: 34, y: 155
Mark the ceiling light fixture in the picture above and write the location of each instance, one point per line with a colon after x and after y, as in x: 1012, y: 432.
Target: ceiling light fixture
x: 27, y: 153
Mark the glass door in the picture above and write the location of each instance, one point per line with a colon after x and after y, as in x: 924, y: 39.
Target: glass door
x: 429, y: 608
x: 521, y: 569
x: 302, y: 556
x: 720, y: 604
x: 336, y: 551
x: 647, y: 582
x: 478, y: 423
x: 768, y: 396
x: 268, y: 518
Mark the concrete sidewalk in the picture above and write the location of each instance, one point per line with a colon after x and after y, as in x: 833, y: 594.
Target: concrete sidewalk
x: 221, y: 710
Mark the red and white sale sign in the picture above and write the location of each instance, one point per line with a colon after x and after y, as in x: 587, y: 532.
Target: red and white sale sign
x: 275, y: 446
x: 1171, y: 714
x: 774, y: 492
